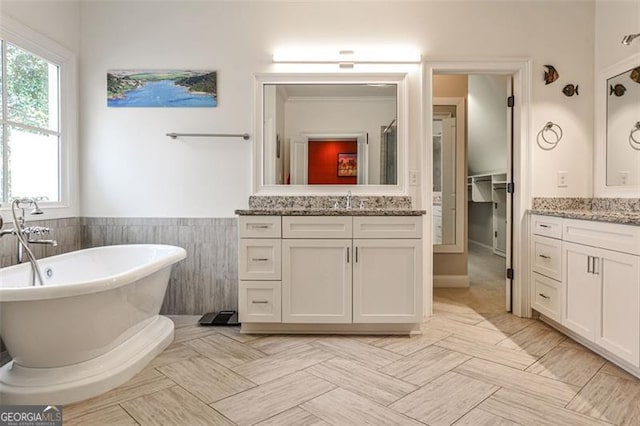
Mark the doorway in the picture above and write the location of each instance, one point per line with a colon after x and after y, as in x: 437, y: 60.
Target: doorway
x: 489, y: 249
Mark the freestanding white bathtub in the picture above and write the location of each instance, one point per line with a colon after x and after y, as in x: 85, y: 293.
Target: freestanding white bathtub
x: 91, y: 327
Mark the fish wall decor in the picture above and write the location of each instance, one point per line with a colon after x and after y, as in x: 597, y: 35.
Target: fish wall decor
x: 550, y: 75
x: 617, y: 90
x: 570, y: 90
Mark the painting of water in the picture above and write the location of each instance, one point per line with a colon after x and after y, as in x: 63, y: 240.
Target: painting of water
x: 162, y: 88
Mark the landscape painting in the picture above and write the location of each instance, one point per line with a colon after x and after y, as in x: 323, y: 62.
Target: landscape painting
x: 162, y: 88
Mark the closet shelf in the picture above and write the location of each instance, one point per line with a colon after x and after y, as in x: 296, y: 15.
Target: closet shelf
x: 483, y: 186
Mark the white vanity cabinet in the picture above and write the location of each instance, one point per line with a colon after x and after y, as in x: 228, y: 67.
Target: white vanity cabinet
x: 599, y: 286
x: 353, y: 273
x: 316, y: 264
x: 259, y: 269
x: 546, y: 266
x: 602, y: 297
x: 387, y: 269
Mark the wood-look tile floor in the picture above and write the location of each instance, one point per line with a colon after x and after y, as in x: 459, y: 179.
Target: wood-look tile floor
x: 473, y: 365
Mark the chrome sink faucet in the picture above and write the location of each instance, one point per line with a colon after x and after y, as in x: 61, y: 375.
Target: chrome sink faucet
x: 348, y: 200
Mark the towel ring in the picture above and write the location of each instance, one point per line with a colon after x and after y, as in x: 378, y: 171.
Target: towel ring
x: 635, y: 143
x: 549, y: 136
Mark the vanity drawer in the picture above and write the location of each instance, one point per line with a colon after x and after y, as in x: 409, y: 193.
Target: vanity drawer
x: 317, y: 227
x: 260, y: 227
x: 546, y: 256
x: 387, y: 227
x: 260, y: 301
x: 547, y: 226
x: 260, y: 259
x: 612, y: 236
x: 546, y: 296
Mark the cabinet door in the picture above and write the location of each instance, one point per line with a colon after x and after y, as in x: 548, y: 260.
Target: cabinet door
x: 580, y: 298
x: 316, y: 281
x: 387, y: 281
x: 619, y: 327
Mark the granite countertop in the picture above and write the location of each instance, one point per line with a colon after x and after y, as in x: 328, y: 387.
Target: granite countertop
x: 329, y: 212
x: 626, y: 218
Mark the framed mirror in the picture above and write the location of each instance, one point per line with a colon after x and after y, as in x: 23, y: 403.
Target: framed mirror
x: 329, y: 133
x: 449, y: 183
x: 617, y: 155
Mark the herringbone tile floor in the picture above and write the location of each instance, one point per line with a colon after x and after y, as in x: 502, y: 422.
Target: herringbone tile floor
x: 473, y: 365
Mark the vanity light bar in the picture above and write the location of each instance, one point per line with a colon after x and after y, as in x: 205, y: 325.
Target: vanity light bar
x: 347, y: 57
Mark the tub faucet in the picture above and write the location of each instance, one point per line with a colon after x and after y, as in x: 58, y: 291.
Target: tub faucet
x: 23, y: 234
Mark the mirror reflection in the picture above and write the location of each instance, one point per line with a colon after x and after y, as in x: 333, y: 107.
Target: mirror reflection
x: 444, y: 174
x: 330, y: 134
x: 623, y: 114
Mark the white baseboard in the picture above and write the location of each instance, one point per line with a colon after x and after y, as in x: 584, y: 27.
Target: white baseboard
x: 450, y: 281
x: 481, y: 244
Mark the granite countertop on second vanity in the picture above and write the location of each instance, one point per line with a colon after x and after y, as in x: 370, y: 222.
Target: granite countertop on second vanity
x: 330, y: 212
x: 614, y: 210
x: 624, y: 218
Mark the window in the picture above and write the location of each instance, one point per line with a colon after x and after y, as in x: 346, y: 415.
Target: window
x: 30, y: 125
x: 37, y: 93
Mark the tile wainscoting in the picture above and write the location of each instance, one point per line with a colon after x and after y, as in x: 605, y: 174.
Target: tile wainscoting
x: 65, y: 231
x: 206, y: 281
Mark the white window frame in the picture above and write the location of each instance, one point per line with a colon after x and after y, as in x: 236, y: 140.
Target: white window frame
x: 24, y: 37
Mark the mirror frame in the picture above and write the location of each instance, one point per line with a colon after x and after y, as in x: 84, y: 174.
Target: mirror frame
x: 600, y: 152
x: 262, y: 79
x: 461, y: 176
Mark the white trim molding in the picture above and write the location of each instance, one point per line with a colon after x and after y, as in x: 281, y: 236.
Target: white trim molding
x: 39, y: 44
x: 520, y: 70
x: 600, y: 187
x: 450, y: 281
x: 397, y: 78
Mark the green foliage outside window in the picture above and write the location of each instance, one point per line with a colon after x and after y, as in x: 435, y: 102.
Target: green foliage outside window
x: 27, y: 88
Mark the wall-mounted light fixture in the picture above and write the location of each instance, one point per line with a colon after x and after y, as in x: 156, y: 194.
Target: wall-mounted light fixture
x: 346, y: 58
x: 626, y: 40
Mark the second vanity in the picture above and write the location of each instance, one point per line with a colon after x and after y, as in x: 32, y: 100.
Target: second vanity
x: 585, y: 279
x: 330, y: 270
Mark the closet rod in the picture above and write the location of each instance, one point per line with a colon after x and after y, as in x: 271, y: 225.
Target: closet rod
x: 244, y: 136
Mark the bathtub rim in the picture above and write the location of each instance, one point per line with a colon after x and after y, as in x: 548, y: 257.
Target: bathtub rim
x: 30, y: 293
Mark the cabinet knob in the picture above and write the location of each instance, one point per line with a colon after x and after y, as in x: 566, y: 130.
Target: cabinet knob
x: 260, y: 259
x: 262, y: 302
x: 544, y: 256
x: 544, y: 296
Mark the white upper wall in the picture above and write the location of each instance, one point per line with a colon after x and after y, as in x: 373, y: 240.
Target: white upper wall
x: 614, y: 20
x: 58, y: 20
x: 130, y: 168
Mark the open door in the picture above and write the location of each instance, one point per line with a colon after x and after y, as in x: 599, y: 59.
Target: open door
x: 509, y: 195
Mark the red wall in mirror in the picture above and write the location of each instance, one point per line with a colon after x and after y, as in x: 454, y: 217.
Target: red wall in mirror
x: 323, y: 161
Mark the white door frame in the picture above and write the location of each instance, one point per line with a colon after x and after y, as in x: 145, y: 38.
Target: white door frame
x: 520, y: 69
